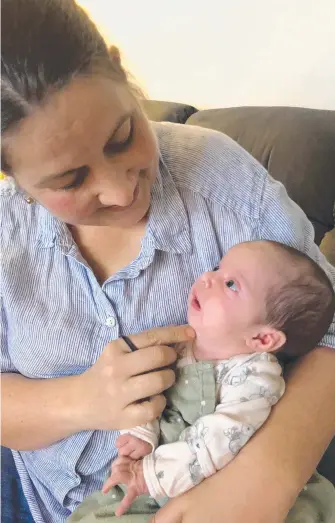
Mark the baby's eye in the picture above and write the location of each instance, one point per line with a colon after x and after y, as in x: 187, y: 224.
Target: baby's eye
x: 216, y: 268
x: 232, y: 285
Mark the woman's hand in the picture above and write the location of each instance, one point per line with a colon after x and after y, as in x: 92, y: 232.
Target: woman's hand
x: 37, y: 412
x: 112, y: 389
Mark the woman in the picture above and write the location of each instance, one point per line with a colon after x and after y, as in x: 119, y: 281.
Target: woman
x: 108, y: 222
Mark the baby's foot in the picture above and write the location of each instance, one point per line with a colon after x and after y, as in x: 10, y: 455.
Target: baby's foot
x: 127, y: 471
x: 132, y: 447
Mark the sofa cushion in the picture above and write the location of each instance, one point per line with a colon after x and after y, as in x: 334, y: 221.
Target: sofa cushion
x: 167, y: 111
x: 296, y: 145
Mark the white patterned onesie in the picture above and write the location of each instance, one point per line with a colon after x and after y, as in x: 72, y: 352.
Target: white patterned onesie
x: 247, y: 386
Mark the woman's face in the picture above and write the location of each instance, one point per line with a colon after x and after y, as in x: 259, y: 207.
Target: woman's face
x: 87, y: 154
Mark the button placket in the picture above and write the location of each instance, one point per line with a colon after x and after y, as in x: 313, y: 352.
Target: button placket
x: 111, y: 321
x: 105, y: 309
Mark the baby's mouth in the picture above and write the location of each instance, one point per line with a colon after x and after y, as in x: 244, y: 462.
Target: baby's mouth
x: 195, y: 303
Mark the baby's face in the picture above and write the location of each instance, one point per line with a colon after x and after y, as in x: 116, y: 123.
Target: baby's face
x: 227, y: 305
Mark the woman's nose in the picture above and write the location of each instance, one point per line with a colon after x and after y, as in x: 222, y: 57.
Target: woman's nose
x: 116, y: 188
x: 116, y: 194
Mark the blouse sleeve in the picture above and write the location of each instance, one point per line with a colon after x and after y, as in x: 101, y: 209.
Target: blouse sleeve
x: 6, y: 363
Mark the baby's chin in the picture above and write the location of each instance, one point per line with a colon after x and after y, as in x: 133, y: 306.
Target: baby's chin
x: 200, y: 355
x: 193, y: 319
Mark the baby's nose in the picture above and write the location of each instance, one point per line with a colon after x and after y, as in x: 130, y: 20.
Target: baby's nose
x: 206, y: 280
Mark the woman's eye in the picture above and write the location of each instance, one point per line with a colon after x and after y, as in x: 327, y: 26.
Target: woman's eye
x: 232, y: 285
x: 78, y: 179
x: 76, y: 183
x: 122, y: 139
x: 122, y: 133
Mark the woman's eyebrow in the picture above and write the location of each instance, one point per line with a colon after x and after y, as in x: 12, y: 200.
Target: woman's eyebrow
x: 52, y: 177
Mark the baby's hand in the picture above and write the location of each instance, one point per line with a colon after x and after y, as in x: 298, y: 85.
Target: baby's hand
x: 128, y: 472
x: 133, y: 447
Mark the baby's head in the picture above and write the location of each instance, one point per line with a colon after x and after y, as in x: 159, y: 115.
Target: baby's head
x: 264, y: 297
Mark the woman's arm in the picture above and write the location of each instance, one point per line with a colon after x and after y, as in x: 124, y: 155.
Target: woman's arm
x: 304, y: 421
x: 36, y: 413
x: 39, y: 412
x: 262, y: 483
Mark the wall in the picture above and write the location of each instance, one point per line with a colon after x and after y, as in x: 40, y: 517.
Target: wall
x: 226, y: 52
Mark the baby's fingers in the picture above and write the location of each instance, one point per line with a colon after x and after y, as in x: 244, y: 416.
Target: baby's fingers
x: 122, y: 440
x: 139, y: 453
x: 127, y: 449
x: 112, y: 481
x: 128, y: 499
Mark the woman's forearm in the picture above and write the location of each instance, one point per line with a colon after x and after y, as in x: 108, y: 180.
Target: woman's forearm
x: 37, y: 413
x: 291, y: 443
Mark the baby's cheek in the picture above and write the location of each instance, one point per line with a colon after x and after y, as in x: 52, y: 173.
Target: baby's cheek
x: 216, y: 311
x: 215, y: 320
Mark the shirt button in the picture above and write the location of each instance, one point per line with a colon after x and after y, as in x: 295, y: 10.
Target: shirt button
x: 111, y: 321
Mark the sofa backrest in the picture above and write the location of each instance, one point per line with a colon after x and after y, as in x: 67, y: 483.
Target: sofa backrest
x: 296, y: 145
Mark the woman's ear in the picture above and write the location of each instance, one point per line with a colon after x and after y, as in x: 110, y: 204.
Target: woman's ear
x: 266, y: 339
x: 114, y: 53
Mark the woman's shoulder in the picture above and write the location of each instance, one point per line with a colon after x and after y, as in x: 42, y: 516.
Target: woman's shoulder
x: 18, y: 219
x: 212, y: 164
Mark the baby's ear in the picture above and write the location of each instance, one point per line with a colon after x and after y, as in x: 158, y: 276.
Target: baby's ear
x: 266, y: 339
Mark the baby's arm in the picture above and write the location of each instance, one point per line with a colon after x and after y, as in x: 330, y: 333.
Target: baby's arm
x: 148, y: 433
x: 247, y: 394
x: 139, y: 441
x: 132, y: 444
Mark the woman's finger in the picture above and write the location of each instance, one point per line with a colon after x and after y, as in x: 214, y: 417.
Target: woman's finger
x: 144, y: 412
x: 148, y: 359
x: 146, y: 385
x: 163, y: 336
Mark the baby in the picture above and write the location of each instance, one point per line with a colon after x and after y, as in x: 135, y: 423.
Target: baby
x: 264, y: 299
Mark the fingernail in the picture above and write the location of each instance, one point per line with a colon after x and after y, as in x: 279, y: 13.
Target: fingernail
x: 190, y: 333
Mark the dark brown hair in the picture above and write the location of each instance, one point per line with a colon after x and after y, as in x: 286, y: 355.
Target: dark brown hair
x: 44, y: 44
x: 303, y: 306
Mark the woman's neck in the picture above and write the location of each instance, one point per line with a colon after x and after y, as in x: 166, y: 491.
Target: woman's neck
x: 108, y: 249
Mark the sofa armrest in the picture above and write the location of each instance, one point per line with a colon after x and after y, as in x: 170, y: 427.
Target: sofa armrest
x: 167, y: 111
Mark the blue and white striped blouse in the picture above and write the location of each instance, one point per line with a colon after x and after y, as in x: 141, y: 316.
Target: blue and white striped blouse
x: 56, y: 319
